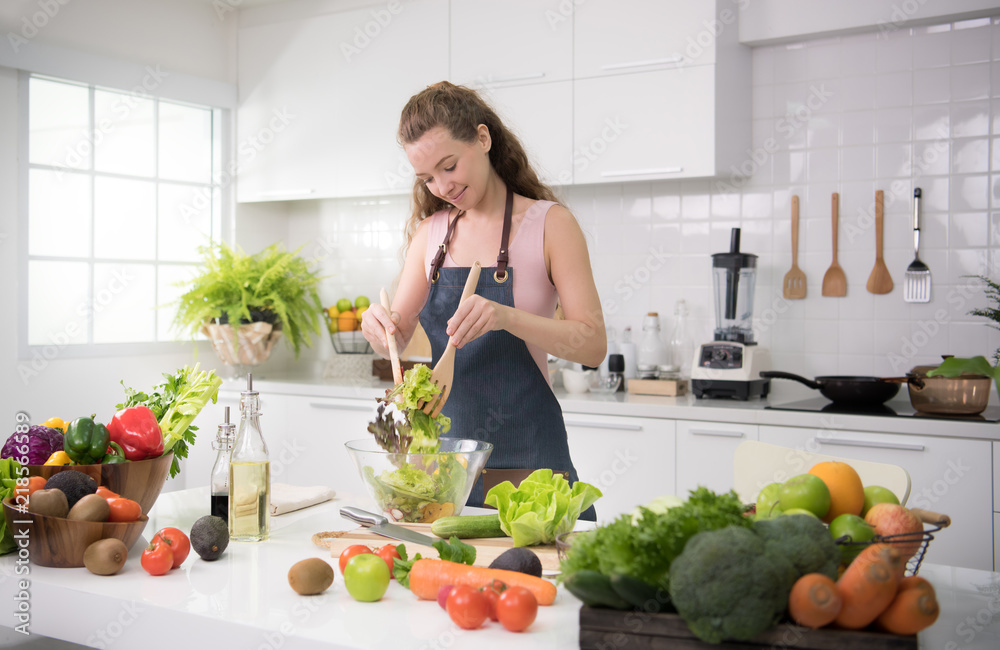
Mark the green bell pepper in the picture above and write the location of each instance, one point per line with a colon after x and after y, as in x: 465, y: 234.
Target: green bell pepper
x: 86, y: 441
x: 115, y: 454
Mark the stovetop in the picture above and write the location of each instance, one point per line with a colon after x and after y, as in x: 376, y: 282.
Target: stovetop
x: 890, y: 409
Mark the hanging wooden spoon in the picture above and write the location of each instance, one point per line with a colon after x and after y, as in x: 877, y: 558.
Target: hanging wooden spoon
x: 835, y: 282
x: 879, y: 281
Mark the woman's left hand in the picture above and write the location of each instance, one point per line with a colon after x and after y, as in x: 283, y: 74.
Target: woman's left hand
x: 473, y: 318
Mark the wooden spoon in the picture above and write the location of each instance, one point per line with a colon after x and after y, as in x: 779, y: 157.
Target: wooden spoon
x: 795, y: 280
x: 835, y: 282
x: 879, y: 281
x: 397, y: 370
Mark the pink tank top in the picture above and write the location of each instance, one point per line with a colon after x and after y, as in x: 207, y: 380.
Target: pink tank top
x: 533, y: 291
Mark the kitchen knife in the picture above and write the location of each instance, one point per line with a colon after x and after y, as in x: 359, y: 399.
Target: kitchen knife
x: 381, y: 526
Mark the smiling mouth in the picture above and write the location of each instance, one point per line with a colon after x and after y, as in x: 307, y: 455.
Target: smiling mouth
x: 452, y: 199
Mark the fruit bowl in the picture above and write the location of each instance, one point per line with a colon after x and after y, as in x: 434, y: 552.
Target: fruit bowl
x: 60, y: 542
x: 139, y: 480
x: 420, y: 487
x: 350, y: 343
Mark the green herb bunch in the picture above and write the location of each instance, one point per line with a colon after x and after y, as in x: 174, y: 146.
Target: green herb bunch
x: 273, y: 285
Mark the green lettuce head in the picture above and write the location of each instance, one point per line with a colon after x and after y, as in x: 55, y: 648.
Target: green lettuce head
x: 541, y: 507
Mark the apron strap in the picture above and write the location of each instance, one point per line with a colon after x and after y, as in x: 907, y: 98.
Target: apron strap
x: 503, y: 258
x: 442, y: 250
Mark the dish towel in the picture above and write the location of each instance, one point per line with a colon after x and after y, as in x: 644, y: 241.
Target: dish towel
x: 288, y: 498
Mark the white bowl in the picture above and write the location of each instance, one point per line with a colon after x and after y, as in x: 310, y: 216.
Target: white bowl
x: 577, y: 381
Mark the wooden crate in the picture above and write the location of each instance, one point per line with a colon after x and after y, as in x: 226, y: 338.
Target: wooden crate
x: 611, y: 629
x: 665, y: 387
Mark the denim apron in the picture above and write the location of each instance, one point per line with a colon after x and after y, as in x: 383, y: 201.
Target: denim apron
x: 499, y: 394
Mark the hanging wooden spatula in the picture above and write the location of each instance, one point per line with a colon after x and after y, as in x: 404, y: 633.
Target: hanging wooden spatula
x: 795, y: 280
x: 397, y: 370
x: 879, y: 281
x: 835, y: 282
x: 444, y: 372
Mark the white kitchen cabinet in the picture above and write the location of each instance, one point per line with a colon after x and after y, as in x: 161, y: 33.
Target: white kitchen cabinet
x: 631, y: 460
x: 539, y: 115
x: 630, y: 35
x: 320, y: 99
x: 499, y: 42
x: 705, y: 453
x: 949, y: 475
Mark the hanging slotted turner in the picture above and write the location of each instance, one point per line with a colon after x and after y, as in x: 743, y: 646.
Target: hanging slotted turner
x: 444, y: 372
x: 917, y: 282
x: 794, y: 285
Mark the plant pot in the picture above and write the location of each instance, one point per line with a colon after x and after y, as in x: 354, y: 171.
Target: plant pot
x: 248, y: 345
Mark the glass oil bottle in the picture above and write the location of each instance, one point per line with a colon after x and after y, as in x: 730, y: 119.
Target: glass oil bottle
x: 249, y: 475
x: 220, y: 471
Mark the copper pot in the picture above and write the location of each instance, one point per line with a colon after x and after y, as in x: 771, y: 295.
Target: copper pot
x: 964, y: 395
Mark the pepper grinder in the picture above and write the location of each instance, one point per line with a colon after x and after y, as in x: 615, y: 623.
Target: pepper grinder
x: 220, y: 471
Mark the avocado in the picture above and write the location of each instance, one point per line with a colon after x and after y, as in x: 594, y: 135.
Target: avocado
x: 210, y: 537
x: 518, y: 559
x: 75, y: 485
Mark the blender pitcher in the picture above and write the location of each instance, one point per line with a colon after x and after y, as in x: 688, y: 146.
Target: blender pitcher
x: 734, y: 275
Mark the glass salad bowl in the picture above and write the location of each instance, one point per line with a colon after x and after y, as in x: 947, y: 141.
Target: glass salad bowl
x: 420, y: 488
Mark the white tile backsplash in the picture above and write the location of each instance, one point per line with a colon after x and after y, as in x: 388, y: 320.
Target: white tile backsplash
x: 906, y: 108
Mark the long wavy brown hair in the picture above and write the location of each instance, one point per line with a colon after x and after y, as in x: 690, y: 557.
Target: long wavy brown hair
x: 461, y: 110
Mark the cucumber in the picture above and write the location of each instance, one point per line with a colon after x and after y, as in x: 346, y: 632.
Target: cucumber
x: 468, y: 527
x: 639, y: 594
x: 594, y: 589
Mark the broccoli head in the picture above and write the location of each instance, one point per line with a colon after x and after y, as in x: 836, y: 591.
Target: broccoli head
x: 804, y: 540
x: 727, y: 584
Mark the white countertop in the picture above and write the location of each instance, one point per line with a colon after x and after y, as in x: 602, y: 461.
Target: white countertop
x: 243, y: 600
x: 686, y: 407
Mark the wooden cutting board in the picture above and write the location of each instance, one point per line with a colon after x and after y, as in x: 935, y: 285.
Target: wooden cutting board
x: 487, y: 548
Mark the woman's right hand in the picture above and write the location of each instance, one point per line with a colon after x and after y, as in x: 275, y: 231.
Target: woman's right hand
x: 376, y: 324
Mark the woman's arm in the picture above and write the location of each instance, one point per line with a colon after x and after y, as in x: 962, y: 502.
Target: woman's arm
x: 581, y: 337
x: 406, y: 304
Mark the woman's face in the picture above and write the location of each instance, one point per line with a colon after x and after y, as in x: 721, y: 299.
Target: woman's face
x: 452, y: 170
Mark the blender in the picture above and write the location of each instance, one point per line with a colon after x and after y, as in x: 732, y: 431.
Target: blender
x: 730, y: 365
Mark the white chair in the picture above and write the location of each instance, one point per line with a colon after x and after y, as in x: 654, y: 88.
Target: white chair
x: 757, y: 464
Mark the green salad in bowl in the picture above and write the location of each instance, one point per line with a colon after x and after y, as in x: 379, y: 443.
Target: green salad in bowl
x: 412, y: 473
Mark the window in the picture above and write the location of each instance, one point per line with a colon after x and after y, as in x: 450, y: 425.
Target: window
x: 121, y: 191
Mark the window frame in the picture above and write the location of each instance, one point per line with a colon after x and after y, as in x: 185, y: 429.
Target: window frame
x: 38, y: 356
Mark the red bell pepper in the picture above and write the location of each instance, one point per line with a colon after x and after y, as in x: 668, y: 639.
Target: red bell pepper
x: 135, y: 428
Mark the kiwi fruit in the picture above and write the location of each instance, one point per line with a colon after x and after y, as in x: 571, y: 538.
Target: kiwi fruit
x: 47, y: 502
x: 210, y: 537
x: 75, y: 484
x: 92, y: 507
x: 518, y: 559
x: 310, y: 577
x: 105, y: 557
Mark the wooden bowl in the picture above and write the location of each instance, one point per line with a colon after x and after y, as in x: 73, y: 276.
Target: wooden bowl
x: 61, y: 543
x: 139, y: 480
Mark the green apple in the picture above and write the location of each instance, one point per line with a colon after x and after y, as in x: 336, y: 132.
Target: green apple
x: 806, y: 491
x: 366, y: 577
x: 344, y: 304
x: 799, y: 511
x: 767, y: 502
x: 361, y: 302
x: 856, y: 530
x: 878, y: 494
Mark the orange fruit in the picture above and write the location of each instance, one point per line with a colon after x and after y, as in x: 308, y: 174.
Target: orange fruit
x: 847, y: 494
x: 347, y: 322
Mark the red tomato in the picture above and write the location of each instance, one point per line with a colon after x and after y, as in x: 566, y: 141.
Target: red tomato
x: 157, y: 559
x: 467, y: 607
x: 124, y: 510
x: 103, y: 491
x: 351, y: 551
x: 517, y: 609
x: 179, y: 544
x: 387, y: 553
x: 492, y: 593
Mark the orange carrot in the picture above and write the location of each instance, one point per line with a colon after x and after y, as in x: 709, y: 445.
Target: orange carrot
x: 868, y: 585
x: 912, y: 610
x: 428, y: 576
x: 914, y: 582
x: 814, y: 601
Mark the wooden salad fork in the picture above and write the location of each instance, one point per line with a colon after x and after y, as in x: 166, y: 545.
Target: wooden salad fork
x: 397, y: 371
x: 443, y: 374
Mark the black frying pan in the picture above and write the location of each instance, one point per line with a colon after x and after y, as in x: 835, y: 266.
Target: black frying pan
x: 856, y: 391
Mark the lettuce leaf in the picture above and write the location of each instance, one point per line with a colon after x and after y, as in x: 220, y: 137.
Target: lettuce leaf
x: 957, y: 366
x: 541, y: 507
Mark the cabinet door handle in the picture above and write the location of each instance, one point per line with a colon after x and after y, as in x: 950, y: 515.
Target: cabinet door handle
x: 277, y: 193
x: 849, y: 442
x: 677, y: 58
x: 642, y: 172
x: 340, y: 407
x: 716, y: 433
x: 599, y: 425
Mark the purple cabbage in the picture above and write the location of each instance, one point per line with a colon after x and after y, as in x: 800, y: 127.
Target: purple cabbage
x: 41, y: 441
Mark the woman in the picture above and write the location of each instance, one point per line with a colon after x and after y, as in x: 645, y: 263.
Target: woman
x: 474, y: 194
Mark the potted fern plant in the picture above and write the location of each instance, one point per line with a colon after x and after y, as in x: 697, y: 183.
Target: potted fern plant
x: 245, y: 303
